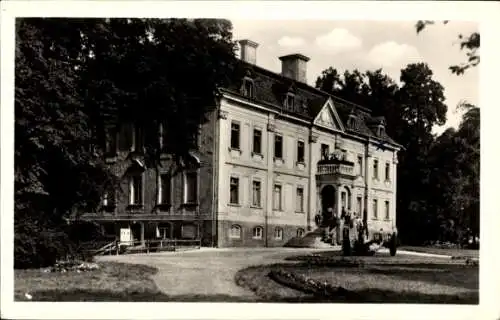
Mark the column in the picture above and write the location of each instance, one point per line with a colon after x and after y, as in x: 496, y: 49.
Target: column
x: 143, y: 242
x: 338, y: 202
x: 368, y: 180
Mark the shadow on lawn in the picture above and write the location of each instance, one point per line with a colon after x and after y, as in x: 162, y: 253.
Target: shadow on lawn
x: 110, y: 296
x: 364, y: 296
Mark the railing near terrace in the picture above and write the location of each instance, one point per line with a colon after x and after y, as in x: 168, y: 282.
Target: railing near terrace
x: 138, y: 246
x: 157, y: 245
x: 335, y: 168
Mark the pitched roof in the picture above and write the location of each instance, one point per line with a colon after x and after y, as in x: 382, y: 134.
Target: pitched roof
x: 271, y: 88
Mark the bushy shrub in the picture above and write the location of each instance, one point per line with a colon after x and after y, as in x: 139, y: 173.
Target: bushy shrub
x: 37, y: 245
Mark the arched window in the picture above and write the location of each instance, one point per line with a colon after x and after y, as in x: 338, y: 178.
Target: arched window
x: 278, y: 233
x: 258, y: 232
x: 235, y: 232
x: 300, y: 232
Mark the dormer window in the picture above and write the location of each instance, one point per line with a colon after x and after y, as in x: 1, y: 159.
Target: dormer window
x: 290, y: 101
x: 380, y: 130
x: 351, y: 121
x: 248, y: 88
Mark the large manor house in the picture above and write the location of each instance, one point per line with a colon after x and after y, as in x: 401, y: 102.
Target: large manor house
x: 275, y: 157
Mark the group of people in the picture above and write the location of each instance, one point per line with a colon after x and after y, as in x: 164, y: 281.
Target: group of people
x: 350, y: 225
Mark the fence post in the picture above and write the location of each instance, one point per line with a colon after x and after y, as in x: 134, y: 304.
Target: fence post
x: 117, y: 243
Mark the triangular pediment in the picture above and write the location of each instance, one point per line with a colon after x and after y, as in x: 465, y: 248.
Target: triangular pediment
x: 328, y: 117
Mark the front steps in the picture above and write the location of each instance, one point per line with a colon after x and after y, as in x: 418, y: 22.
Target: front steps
x: 312, y: 239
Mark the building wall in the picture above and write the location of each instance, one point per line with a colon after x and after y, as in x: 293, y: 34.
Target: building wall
x: 177, y: 213
x: 246, y: 166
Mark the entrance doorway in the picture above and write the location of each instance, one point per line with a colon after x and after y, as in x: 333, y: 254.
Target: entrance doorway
x: 327, y: 203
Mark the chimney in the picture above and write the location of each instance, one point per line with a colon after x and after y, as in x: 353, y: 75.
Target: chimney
x: 248, y: 51
x: 294, y: 66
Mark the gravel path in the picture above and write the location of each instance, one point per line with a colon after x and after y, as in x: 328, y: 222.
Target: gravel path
x: 206, y: 271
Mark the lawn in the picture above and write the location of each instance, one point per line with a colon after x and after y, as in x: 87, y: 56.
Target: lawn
x: 444, y: 251
x: 400, y: 279
x: 111, y: 282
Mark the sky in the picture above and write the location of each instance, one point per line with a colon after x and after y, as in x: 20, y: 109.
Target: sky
x: 368, y: 45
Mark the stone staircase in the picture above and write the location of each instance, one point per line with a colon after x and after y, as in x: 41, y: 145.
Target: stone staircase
x: 312, y: 239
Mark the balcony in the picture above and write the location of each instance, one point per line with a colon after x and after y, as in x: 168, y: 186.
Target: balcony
x: 333, y: 168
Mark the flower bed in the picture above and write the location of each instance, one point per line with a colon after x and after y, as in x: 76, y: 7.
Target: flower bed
x: 328, y: 261
x: 77, y: 266
x: 310, y: 286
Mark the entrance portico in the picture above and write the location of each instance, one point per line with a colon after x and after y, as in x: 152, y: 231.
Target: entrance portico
x: 334, y: 175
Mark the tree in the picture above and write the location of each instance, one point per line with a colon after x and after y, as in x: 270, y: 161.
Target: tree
x: 74, y: 77
x: 454, y: 158
x: 471, y: 43
x: 144, y: 70
x: 54, y: 171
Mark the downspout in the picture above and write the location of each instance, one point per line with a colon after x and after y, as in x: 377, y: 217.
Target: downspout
x: 215, y: 171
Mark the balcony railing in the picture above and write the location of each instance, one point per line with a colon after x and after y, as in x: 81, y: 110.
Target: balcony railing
x: 335, y: 168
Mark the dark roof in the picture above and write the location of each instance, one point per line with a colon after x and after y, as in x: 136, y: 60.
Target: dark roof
x: 271, y: 89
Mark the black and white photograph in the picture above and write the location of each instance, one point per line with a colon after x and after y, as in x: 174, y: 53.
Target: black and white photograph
x: 220, y: 158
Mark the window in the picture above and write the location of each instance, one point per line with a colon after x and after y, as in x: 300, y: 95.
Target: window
x: 233, y: 190
x: 163, y: 231
x: 125, y: 137
x: 108, y: 199
x: 110, y: 140
x: 360, y: 165
x: 136, y: 190
x: 325, y: 150
x: 256, y: 193
x: 235, y: 232
x: 375, y: 169
x: 351, y: 122
x: 278, y: 233
x: 257, y: 141
x: 191, y: 187
x: 375, y: 209
x: 235, y: 135
x: 163, y: 135
x: 257, y: 232
x: 278, y: 147
x: 290, y: 101
x: 343, y: 200
x: 380, y: 131
x: 300, y: 199
x: 387, y: 171
x: 164, y: 190
x: 277, y: 197
x: 387, y: 213
x: 248, y: 88
x: 359, y: 205
x: 300, y: 151
x: 300, y: 232
x: 188, y: 231
x: 138, y: 143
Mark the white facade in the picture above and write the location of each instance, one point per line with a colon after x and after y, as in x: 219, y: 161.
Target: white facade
x: 296, y: 180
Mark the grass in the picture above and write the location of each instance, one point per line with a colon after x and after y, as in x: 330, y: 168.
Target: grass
x: 404, y: 279
x: 444, y: 251
x: 112, y: 282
